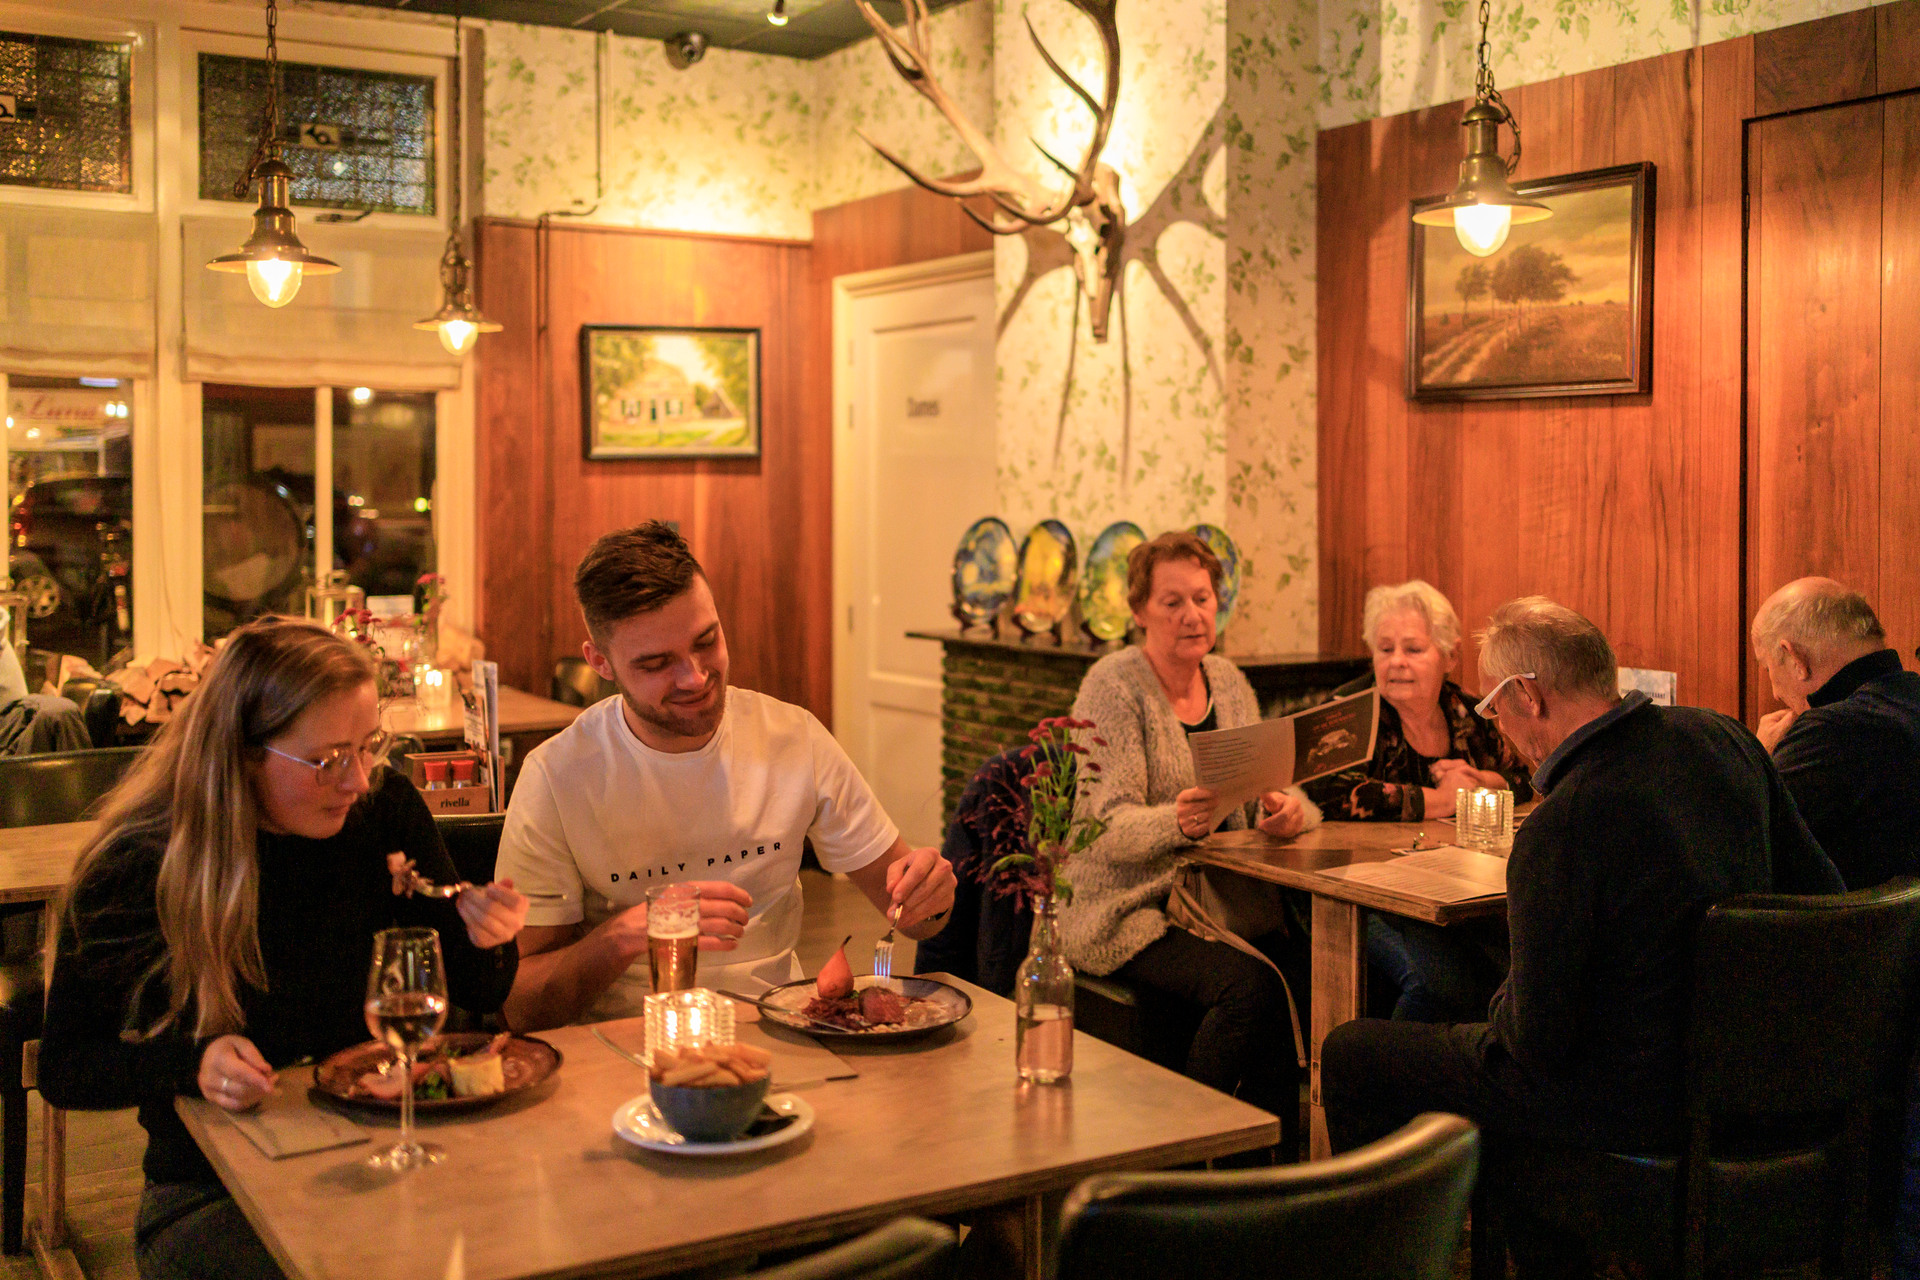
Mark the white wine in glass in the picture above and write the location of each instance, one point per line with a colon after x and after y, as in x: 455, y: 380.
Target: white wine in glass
x: 406, y: 1006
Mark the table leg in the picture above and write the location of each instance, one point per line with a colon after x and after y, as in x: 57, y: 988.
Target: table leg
x: 1033, y: 1238
x: 1339, y: 995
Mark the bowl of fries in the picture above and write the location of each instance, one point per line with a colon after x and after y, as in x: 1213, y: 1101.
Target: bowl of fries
x: 710, y: 1093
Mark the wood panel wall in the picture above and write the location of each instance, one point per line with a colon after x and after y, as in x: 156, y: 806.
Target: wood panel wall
x: 1632, y: 509
x: 762, y: 527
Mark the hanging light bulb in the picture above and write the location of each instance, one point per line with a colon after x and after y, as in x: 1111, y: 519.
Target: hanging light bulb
x: 1484, y: 207
x: 778, y: 14
x: 272, y: 258
x: 458, y: 322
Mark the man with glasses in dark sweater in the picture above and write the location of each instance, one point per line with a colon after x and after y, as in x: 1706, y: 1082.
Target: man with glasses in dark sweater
x: 1649, y: 815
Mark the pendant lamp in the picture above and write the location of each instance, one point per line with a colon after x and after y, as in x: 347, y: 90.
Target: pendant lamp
x: 1484, y: 206
x: 458, y: 322
x: 272, y: 258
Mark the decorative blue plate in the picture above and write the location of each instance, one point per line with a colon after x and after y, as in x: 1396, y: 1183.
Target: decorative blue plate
x: 1045, y: 590
x: 1223, y: 546
x: 984, y: 570
x: 1103, y: 585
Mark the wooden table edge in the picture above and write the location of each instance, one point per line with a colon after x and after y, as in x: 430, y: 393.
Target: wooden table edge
x: 199, y: 1116
x: 1354, y: 891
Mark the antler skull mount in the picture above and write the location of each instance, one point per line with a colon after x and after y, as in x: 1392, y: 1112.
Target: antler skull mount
x: 1091, y: 208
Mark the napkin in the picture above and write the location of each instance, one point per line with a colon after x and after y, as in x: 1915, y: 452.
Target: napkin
x: 797, y: 1064
x: 286, y: 1124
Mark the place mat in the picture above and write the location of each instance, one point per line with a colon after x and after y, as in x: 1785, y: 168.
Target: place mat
x: 797, y: 1063
x: 285, y: 1124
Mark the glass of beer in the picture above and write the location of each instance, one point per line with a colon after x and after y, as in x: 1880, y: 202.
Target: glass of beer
x: 673, y: 935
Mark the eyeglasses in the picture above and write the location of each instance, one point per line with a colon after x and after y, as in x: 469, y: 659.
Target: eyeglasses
x: 332, y: 768
x: 1482, y: 707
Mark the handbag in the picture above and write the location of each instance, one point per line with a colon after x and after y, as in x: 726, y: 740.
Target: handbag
x: 1217, y: 905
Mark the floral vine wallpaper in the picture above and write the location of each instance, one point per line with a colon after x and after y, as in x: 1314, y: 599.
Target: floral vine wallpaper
x: 1201, y: 405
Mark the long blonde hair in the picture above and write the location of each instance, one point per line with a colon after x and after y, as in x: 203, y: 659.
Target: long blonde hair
x: 193, y: 788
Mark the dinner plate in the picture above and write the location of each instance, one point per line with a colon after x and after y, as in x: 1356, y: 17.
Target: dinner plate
x: 1223, y: 546
x: 985, y: 567
x: 640, y: 1122
x: 1045, y: 590
x: 952, y: 1004
x: 526, y: 1062
x: 1103, y: 583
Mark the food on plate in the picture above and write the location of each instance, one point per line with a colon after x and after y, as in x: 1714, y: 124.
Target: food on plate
x: 836, y: 976
x: 441, y: 1072
x: 874, y: 1008
x: 710, y: 1066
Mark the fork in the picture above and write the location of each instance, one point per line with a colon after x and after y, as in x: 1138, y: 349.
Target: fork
x: 428, y: 889
x: 883, y: 949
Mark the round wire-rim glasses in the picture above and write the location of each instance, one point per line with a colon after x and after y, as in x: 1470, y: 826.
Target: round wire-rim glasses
x: 332, y: 768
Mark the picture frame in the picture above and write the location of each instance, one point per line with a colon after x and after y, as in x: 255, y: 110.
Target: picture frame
x: 669, y: 392
x: 1563, y: 308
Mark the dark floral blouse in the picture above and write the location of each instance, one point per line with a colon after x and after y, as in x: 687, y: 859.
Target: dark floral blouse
x: 1389, y: 787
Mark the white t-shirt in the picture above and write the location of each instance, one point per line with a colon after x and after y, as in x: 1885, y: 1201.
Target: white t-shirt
x: 599, y: 818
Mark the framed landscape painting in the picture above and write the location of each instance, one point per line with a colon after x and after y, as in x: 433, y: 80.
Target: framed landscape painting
x: 1563, y: 308
x: 657, y: 392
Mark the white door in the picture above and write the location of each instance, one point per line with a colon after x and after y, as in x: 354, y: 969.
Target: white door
x: 913, y: 467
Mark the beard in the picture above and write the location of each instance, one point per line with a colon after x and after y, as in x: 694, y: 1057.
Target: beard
x: 681, y: 722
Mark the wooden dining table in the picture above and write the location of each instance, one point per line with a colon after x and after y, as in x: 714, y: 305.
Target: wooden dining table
x: 37, y: 862
x: 1339, y: 936
x: 541, y: 1186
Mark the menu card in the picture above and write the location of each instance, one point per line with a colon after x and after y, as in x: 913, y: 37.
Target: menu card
x: 1239, y: 764
x: 1446, y: 874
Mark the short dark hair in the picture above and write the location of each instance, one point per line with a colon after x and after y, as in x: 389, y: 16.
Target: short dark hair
x: 1175, y: 545
x: 632, y: 571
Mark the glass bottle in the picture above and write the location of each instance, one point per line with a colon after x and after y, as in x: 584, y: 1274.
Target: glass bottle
x: 1043, y: 1002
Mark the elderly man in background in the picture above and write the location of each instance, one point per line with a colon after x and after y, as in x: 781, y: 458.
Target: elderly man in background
x: 1848, y: 741
x: 1649, y: 815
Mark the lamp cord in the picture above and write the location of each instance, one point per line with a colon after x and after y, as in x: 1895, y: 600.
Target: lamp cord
x: 453, y: 125
x: 269, y: 144
x: 1483, y: 89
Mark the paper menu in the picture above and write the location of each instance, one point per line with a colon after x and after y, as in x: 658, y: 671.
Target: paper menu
x: 1239, y: 764
x: 1446, y: 874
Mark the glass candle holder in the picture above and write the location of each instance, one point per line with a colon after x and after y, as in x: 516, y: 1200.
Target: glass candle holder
x: 1486, y: 819
x: 686, y: 1019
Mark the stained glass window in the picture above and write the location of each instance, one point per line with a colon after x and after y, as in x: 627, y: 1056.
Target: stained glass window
x: 354, y: 139
x: 66, y: 113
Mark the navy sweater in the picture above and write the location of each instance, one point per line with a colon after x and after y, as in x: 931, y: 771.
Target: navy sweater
x: 1646, y: 822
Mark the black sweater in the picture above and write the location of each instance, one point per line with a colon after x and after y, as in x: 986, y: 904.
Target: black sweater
x: 1852, y: 762
x: 1654, y: 817
x: 321, y: 902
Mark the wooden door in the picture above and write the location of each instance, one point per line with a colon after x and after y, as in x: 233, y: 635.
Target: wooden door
x: 913, y: 467
x: 1834, y: 360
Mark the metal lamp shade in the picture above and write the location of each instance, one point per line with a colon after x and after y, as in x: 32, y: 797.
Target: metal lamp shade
x: 273, y: 240
x: 1483, y: 175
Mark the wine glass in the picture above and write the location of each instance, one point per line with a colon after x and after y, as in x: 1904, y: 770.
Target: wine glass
x: 406, y: 1006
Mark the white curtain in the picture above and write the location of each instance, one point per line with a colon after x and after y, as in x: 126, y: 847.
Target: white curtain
x: 351, y: 329
x: 76, y: 292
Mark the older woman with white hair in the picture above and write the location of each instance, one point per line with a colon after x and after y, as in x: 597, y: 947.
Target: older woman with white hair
x: 1430, y: 747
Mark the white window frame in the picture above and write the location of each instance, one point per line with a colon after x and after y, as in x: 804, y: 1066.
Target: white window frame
x: 166, y: 428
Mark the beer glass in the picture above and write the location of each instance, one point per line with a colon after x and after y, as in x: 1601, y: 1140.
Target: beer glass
x: 673, y: 935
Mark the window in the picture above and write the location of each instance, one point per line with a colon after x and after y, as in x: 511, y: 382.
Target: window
x: 66, y: 113
x: 263, y: 535
x: 70, y: 511
x: 355, y: 139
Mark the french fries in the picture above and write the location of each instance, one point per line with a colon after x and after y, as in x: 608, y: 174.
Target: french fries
x: 711, y: 1066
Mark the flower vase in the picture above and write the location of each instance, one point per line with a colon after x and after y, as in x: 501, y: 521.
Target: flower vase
x: 1043, y: 1002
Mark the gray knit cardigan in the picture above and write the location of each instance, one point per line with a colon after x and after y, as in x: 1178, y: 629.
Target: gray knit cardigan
x: 1121, y: 881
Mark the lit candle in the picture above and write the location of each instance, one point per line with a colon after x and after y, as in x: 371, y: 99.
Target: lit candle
x: 688, y: 1019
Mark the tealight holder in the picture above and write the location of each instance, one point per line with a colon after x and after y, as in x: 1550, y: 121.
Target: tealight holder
x: 1486, y: 819
x: 687, y: 1019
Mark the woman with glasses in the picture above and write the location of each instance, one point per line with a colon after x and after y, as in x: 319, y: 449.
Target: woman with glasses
x: 1430, y: 747
x: 218, y: 926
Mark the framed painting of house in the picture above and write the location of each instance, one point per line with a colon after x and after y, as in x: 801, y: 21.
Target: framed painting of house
x: 650, y: 391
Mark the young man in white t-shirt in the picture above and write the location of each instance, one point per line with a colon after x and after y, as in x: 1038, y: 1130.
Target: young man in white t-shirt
x: 681, y: 780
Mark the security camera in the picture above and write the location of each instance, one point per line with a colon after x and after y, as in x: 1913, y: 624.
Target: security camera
x: 686, y: 48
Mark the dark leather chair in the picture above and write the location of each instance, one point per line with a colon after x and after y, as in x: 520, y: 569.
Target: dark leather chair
x: 1391, y: 1210
x: 904, y: 1249
x: 577, y: 684
x: 1803, y: 1016
x: 58, y: 786
x: 473, y: 842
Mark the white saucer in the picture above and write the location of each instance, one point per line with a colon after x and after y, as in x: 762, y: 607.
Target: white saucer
x: 639, y: 1122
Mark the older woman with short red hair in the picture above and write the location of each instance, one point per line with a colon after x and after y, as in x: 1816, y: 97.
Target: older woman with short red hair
x: 1145, y: 701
